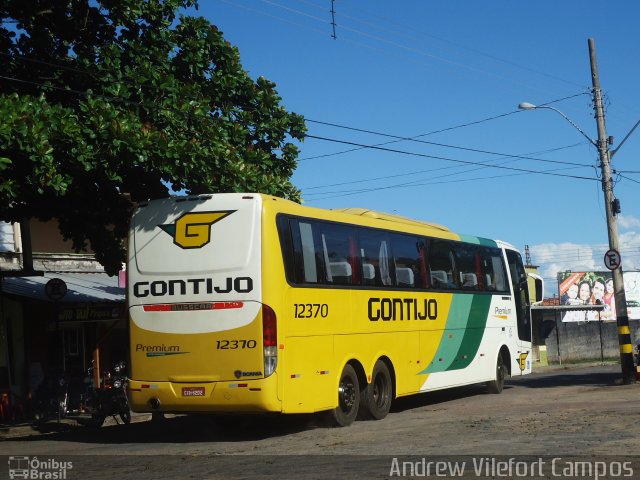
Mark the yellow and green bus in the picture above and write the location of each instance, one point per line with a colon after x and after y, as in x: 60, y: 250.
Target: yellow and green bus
x: 247, y: 303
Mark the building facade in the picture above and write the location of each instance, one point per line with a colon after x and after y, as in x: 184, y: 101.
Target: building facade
x: 55, y: 318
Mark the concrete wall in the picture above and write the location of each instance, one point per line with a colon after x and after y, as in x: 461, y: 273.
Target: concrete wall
x: 581, y: 341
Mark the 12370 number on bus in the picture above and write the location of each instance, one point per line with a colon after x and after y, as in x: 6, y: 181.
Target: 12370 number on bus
x: 235, y: 344
x: 311, y: 310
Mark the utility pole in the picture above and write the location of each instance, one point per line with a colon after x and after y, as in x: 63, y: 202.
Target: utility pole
x: 333, y: 19
x: 624, y: 333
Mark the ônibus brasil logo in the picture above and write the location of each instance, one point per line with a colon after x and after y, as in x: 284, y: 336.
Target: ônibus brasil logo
x: 193, y: 230
x: 34, y: 468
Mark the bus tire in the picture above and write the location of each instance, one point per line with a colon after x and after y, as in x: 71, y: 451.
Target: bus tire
x: 497, y: 385
x: 348, y: 399
x: 377, y: 396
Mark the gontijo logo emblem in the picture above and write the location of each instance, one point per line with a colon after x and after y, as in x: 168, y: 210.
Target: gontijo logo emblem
x: 522, y: 361
x: 193, y: 230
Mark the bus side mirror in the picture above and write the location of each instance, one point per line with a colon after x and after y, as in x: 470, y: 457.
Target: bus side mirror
x: 539, y: 288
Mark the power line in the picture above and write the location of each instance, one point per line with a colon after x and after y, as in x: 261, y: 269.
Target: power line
x: 442, y: 130
x: 415, y: 50
x: 583, y: 252
x: 421, y: 171
x: 346, y: 193
x: 414, y: 137
x: 360, y: 146
x: 628, y: 178
x: 398, y: 138
x: 299, y: 12
x: 244, y: 7
x: 448, y: 159
x: 577, y: 257
x: 406, y: 27
x: 456, y: 147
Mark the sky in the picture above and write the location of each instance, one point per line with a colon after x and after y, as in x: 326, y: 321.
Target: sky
x: 435, y: 88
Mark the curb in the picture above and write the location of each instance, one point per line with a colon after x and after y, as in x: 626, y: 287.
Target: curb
x: 570, y: 366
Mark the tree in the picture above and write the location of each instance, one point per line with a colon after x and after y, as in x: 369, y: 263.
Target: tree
x: 105, y: 103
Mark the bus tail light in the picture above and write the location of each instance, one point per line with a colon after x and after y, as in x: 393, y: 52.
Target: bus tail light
x: 269, y: 339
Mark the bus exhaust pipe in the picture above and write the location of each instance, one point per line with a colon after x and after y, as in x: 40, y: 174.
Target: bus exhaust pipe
x: 154, y: 403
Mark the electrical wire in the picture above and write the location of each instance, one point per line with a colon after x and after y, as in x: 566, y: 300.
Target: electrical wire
x: 444, y: 145
x: 359, y: 146
x: 553, y: 257
x: 382, y: 40
x: 244, y: 7
x: 415, y: 139
x: 406, y: 28
x: 628, y: 178
x: 386, y: 177
x: 397, y: 44
x: 345, y: 193
x: 442, y: 130
x: 436, y: 157
x: 433, y: 132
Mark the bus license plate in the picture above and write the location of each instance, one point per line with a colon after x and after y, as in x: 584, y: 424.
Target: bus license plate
x: 193, y: 391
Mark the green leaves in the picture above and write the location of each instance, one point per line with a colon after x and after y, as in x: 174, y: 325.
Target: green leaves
x: 126, y: 97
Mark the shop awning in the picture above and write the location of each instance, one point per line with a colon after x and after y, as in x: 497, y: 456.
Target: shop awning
x: 90, y: 287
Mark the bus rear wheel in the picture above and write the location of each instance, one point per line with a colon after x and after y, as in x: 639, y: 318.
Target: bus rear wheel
x: 497, y: 385
x: 348, y: 398
x: 377, y: 396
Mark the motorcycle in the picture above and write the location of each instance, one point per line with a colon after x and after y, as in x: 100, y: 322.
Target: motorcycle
x: 110, y: 399
x: 52, y: 398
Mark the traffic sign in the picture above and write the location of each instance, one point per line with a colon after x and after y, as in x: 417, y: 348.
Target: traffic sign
x: 55, y: 289
x: 612, y: 259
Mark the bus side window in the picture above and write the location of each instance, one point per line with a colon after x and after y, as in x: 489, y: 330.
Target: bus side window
x: 493, y: 269
x: 309, y: 263
x: 339, y: 254
x: 467, y: 266
x: 286, y: 245
x: 298, y: 250
x: 385, y: 266
x: 442, y: 265
x: 374, y: 253
x: 408, y: 261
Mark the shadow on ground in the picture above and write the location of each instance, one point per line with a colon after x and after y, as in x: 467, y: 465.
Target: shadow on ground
x: 176, y: 429
x: 214, y: 428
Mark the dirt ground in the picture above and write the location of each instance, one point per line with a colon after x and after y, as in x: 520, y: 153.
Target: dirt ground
x: 583, y: 411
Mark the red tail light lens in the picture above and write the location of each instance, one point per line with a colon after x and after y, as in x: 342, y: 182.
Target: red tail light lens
x: 269, y: 339
x: 269, y: 327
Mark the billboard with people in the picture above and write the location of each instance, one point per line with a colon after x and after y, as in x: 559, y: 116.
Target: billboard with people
x: 596, y: 288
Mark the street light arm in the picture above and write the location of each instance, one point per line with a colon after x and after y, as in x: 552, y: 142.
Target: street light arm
x: 613, y: 152
x: 530, y: 106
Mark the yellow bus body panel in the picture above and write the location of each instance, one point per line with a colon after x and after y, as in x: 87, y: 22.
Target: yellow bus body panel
x: 246, y: 396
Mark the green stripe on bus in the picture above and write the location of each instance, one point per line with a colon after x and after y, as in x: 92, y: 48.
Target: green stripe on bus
x: 485, y: 242
x: 461, y: 306
x: 470, y: 239
x: 475, y: 330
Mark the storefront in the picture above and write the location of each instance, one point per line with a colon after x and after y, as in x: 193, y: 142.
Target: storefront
x: 52, y: 332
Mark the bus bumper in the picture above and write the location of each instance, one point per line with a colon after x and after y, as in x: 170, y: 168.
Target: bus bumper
x: 248, y: 396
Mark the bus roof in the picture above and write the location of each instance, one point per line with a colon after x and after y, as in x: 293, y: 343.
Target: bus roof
x: 363, y: 212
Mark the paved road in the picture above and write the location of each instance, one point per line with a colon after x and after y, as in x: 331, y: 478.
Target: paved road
x: 572, y: 412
